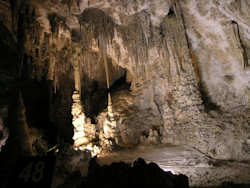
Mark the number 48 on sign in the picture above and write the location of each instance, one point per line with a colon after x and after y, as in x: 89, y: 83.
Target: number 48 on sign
x: 34, y: 171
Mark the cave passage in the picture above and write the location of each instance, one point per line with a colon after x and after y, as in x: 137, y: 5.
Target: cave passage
x: 95, y: 97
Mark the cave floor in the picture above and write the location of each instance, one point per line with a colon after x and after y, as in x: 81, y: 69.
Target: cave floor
x: 202, y: 170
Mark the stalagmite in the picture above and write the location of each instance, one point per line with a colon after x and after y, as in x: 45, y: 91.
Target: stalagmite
x: 79, y: 120
x: 84, y: 130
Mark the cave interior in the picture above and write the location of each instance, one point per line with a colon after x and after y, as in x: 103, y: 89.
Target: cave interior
x: 168, y: 81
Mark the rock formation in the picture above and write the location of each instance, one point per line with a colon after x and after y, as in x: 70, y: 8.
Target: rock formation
x: 140, y: 174
x: 4, y: 133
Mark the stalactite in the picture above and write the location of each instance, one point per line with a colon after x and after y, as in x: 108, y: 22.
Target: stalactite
x: 77, y: 76
x: 240, y: 45
x: 78, y: 3
x: 99, y: 27
x: 55, y: 84
x: 52, y: 72
x: 110, y: 124
x: 106, y: 70
x: 55, y: 79
x: 136, y: 38
x: 104, y: 55
x: 175, y: 43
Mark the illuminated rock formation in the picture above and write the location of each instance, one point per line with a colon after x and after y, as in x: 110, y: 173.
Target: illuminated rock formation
x: 84, y: 130
x: 110, y: 136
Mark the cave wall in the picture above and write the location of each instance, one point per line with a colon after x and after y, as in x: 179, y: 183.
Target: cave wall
x: 219, y: 36
x: 188, y: 65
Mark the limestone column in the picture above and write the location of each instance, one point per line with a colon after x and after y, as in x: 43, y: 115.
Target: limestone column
x: 84, y: 131
x: 79, y: 119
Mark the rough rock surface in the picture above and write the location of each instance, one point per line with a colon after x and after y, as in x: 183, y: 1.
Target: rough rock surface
x: 187, y: 63
x: 4, y: 131
x: 140, y: 174
x: 201, y: 170
x: 219, y: 38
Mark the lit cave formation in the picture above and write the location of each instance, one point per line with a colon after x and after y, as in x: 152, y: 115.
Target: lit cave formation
x: 125, y: 91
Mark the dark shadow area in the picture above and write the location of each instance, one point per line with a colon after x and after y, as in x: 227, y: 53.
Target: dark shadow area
x: 36, y: 97
x: 9, y: 63
x: 171, y: 12
x: 61, y: 103
x: 95, y: 96
x: 121, y: 174
x: 47, y: 109
x: 120, y: 84
x: 207, y: 102
x: 139, y: 174
x: 36, y: 100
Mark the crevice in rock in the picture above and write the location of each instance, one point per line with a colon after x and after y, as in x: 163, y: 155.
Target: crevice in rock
x: 120, y: 84
x: 171, y: 12
x: 207, y: 101
x: 195, y: 64
x: 240, y: 44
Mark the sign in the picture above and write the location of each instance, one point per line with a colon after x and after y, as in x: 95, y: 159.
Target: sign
x: 4, y: 176
x: 33, y: 172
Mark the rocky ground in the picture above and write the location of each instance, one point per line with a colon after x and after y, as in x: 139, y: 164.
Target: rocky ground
x: 202, y: 170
